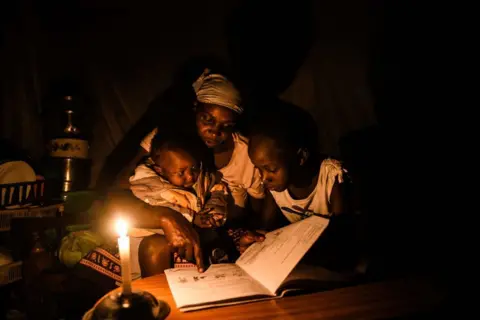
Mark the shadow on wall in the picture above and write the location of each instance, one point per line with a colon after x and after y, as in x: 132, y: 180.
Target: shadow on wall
x: 268, y: 43
x: 389, y: 161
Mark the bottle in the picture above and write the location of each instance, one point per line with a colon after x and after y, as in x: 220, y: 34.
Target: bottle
x: 69, y: 153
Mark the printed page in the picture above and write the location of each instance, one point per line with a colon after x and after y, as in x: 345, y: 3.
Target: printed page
x: 219, y: 283
x: 272, y: 260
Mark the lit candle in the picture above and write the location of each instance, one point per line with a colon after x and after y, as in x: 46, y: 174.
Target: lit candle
x: 124, y: 249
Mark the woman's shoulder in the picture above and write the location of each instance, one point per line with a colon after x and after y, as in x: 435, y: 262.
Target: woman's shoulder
x: 241, y: 148
x: 240, y: 166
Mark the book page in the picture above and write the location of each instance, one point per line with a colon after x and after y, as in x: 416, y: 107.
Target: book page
x: 219, y: 282
x: 272, y: 260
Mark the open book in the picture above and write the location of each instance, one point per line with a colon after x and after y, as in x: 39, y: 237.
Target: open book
x: 263, y: 271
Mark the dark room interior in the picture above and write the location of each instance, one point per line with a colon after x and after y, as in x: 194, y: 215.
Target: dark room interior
x: 361, y: 71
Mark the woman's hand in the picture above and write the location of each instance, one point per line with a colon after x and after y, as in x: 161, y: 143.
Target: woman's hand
x: 182, y: 238
x: 180, y: 234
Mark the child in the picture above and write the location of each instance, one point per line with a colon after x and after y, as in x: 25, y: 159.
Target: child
x: 300, y: 181
x: 173, y: 177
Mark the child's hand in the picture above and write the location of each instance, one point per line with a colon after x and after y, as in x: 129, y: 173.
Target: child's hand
x: 211, y: 217
x: 218, y: 216
x: 203, y: 220
x: 217, y: 209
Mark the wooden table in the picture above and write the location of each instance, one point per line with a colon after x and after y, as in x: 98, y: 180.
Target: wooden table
x: 387, y: 299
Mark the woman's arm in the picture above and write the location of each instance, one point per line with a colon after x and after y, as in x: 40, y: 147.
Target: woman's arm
x: 180, y: 234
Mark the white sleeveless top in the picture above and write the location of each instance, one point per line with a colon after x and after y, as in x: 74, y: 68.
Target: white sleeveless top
x: 318, y: 201
x: 239, y: 174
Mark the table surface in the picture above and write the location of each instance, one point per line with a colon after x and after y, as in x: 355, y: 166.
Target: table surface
x: 386, y: 299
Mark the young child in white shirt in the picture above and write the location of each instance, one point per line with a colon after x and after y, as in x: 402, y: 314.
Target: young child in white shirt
x: 301, y: 183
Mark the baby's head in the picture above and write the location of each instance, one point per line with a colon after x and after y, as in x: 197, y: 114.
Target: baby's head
x: 176, y: 156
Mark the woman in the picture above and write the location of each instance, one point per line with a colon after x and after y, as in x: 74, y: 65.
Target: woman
x: 216, y: 110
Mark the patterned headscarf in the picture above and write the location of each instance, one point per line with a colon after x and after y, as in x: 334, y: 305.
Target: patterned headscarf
x: 216, y: 89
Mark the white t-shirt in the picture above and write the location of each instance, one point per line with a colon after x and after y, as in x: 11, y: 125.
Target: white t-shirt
x: 317, y: 202
x: 240, y: 174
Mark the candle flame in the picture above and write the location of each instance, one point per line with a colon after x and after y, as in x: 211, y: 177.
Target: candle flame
x: 122, y: 228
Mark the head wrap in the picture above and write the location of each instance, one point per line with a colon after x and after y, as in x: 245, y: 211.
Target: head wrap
x: 216, y: 89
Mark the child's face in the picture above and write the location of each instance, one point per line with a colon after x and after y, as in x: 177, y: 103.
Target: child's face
x: 178, y: 167
x: 272, y: 163
x: 214, y: 123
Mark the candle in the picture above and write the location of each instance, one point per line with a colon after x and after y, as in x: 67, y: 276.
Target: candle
x: 124, y: 249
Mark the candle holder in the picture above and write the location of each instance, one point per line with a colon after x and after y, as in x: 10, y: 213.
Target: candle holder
x: 127, y: 305
x: 137, y: 305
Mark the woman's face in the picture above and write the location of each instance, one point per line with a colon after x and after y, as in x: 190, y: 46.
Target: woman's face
x: 215, y: 124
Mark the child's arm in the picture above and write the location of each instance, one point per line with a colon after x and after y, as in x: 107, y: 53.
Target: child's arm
x: 217, y: 204
x: 337, y: 205
x: 339, y: 202
x: 341, y: 198
x: 270, y: 215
